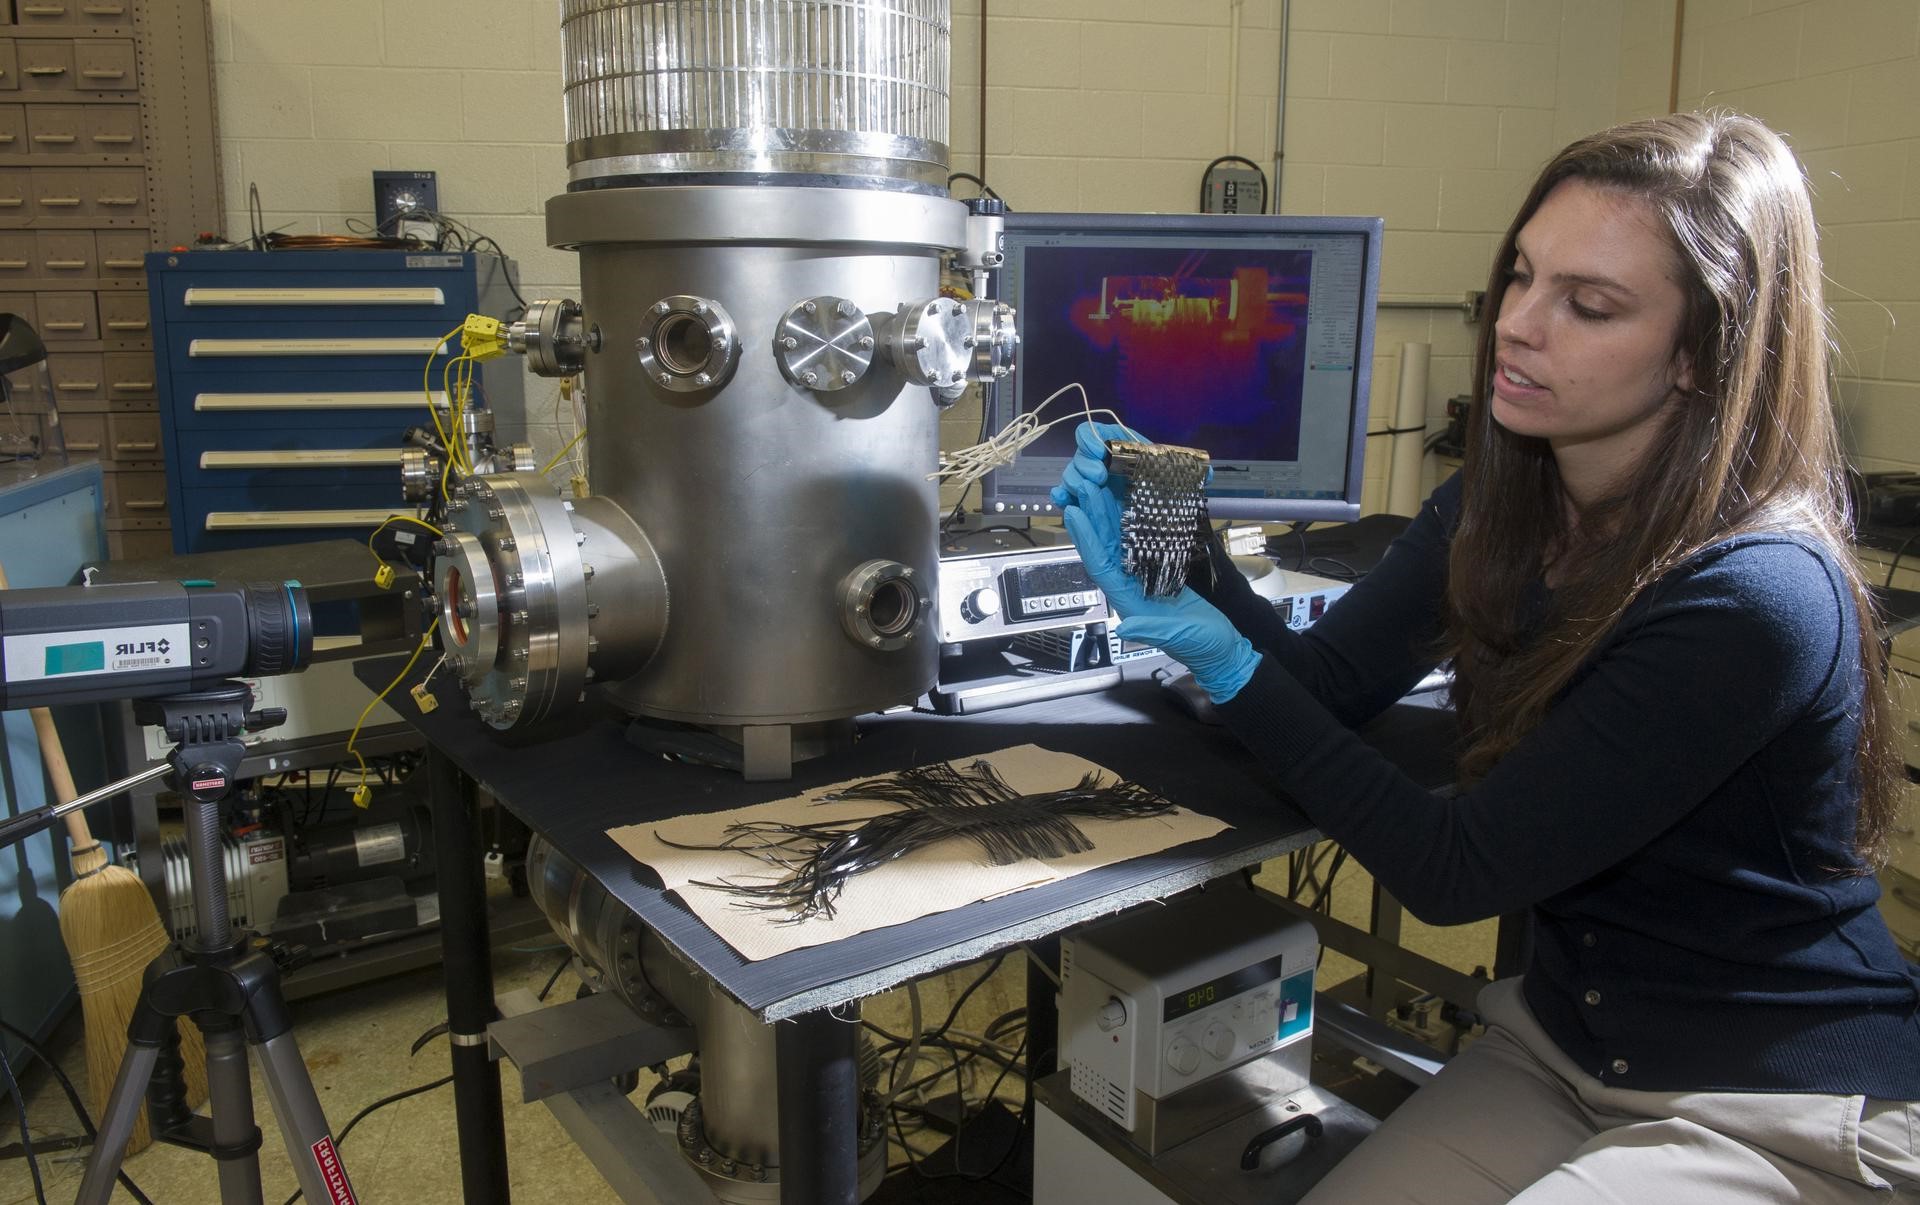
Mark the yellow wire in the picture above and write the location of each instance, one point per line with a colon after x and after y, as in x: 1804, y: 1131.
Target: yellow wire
x: 426, y: 388
x: 562, y: 453
x: 390, y: 519
x: 426, y: 638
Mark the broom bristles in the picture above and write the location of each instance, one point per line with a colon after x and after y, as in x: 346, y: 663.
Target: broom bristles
x: 112, y: 932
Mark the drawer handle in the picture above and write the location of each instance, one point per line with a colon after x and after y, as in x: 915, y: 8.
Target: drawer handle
x: 121, y: 263
x: 104, y: 73
x: 104, y: 10
x: 5, y: 137
x: 115, y: 139
x: 128, y: 325
x: 59, y: 139
x: 77, y: 386
x: 11, y: 202
x: 42, y: 10
x: 64, y: 326
x: 118, y: 200
x: 66, y: 263
x: 13, y: 263
x: 132, y: 386
x: 146, y: 504
x: 49, y: 70
x: 60, y: 202
x: 135, y: 445
x: 92, y: 445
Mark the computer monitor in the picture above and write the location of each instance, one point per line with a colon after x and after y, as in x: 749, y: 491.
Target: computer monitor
x: 1248, y: 337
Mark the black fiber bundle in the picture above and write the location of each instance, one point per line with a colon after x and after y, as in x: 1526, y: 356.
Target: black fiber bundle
x: 934, y: 803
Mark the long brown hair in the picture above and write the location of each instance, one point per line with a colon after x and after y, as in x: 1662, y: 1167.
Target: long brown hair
x: 1754, y: 447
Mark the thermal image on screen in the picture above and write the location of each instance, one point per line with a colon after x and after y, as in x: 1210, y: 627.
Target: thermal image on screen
x: 1203, y: 348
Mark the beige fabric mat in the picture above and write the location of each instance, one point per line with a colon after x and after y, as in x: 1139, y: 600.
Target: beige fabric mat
x: 935, y: 879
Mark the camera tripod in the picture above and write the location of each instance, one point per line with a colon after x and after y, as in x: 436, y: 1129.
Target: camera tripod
x: 231, y: 991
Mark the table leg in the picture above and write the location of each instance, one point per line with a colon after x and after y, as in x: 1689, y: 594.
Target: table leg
x: 468, y: 970
x: 819, y: 1095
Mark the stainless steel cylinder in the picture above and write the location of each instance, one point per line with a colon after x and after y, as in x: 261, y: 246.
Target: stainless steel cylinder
x: 769, y: 504
x: 829, y: 88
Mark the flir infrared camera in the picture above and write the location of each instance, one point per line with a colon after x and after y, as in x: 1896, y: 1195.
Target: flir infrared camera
x: 78, y: 644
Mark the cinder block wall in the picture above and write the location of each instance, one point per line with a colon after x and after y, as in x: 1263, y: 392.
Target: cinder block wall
x: 1841, y: 78
x: 1433, y: 113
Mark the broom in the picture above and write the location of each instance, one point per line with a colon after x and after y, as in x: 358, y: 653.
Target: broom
x: 112, y: 931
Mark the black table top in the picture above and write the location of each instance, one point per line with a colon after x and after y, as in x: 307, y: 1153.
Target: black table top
x: 572, y: 779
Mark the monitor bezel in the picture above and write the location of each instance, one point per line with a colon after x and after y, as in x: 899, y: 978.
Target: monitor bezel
x: 1268, y: 510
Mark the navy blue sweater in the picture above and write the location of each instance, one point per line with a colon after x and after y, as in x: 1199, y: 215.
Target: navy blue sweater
x: 1673, y: 823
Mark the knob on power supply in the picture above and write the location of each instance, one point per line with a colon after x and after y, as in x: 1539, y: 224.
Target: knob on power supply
x: 1183, y: 1056
x: 981, y: 605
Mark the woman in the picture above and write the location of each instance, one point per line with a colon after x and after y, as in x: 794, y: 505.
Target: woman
x: 1678, y: 739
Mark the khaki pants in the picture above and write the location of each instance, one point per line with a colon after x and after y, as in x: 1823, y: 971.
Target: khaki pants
x: 1512, y: 1119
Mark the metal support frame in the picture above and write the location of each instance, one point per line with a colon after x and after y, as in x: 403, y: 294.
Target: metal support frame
x: 469, y: 979
x: 1385, y: 958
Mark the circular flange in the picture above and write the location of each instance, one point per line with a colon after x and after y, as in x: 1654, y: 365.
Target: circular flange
x: 823, y: 344
x: 526, y: 535
x: 932, y: 343
x: 882, y: 605
x: 691, y: 346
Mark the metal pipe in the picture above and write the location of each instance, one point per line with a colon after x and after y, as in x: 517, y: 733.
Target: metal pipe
x: 1280, y: 101
x: 819, y: 1091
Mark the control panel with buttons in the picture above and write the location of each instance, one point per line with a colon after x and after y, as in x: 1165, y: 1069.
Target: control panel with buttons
x: 1161, y: 999
x: 1010, y: 591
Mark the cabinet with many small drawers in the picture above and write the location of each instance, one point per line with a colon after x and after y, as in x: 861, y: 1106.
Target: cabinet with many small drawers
x: 106, y: 152
x: 287, y: 380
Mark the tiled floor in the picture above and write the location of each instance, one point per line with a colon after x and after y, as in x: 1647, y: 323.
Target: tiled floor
x: 355, y: 1044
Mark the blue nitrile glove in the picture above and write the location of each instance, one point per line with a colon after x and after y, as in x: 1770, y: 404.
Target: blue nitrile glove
x: 1189, y: 628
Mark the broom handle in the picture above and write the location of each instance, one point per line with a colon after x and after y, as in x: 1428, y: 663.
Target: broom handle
x: 54, y: 754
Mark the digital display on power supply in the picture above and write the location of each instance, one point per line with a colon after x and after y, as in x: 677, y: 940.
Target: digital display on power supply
x: 1200, y: 995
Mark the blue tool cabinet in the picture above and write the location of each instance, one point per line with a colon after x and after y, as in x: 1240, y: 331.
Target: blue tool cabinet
x: 288, y: 378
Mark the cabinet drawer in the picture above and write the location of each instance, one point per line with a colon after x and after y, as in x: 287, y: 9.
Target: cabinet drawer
x: 133, y: 436
x: 118, y: 192
x: 104, y: 65
x: 62, y: 192
x: 19, y: 254
x: 106, y: 12
x: 139, y: 545
x: 46, y: 64
x: 55, y: 129
x: 129, y: 373
x: 124, y: 316
x: 112, y: 129
x: 281, y: 455
x: 123, y: 254
x: 16, y: 193
x: 77, y: 374
x: 9, y: 64
x: 30, y: 13
x: 67, y: 317
x: 86, y: 434
x: 65, y: 253
x: 13, y: 130
x: 22, y: 305
x: 220, y: 401
x: 136, y: 494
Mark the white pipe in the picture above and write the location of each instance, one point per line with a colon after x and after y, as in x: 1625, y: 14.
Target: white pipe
x: 1233, y: 72
x: 1410, y: 431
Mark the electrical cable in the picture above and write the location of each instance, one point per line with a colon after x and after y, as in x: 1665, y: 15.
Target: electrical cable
x: 968, y: 465
x: 986, y: 190
x: 340, y: 1138
x: 1897, y: 554
x: 391, y: 519
x: 426, y: 639
x: 554, y: 978
x: 562, y: 453
x: 26, y: 1140
x: 73, y: 1099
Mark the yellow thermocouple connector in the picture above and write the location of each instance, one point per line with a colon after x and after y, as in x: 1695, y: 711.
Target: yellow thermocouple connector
x: 483, y: 338
x: 362, y: 796
x: 383, y: 577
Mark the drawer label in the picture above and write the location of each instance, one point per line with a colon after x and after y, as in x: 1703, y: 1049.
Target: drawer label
x: 433, y: 261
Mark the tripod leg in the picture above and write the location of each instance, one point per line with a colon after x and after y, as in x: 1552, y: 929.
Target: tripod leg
x: 310, y: 1144
x: 116, y: 1124
x: 230, y: 1100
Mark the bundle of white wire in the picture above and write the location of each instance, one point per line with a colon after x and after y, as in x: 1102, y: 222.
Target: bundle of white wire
x: 968, y: 465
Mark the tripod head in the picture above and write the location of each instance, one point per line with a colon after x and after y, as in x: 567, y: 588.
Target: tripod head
x: 206, y: 727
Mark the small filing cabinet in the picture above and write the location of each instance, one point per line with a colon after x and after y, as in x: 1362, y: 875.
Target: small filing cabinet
x: 107, y: 151
x: 286, y: 381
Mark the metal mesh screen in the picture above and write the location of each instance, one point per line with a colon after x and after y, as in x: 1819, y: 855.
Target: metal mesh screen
x: 866, y: 67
